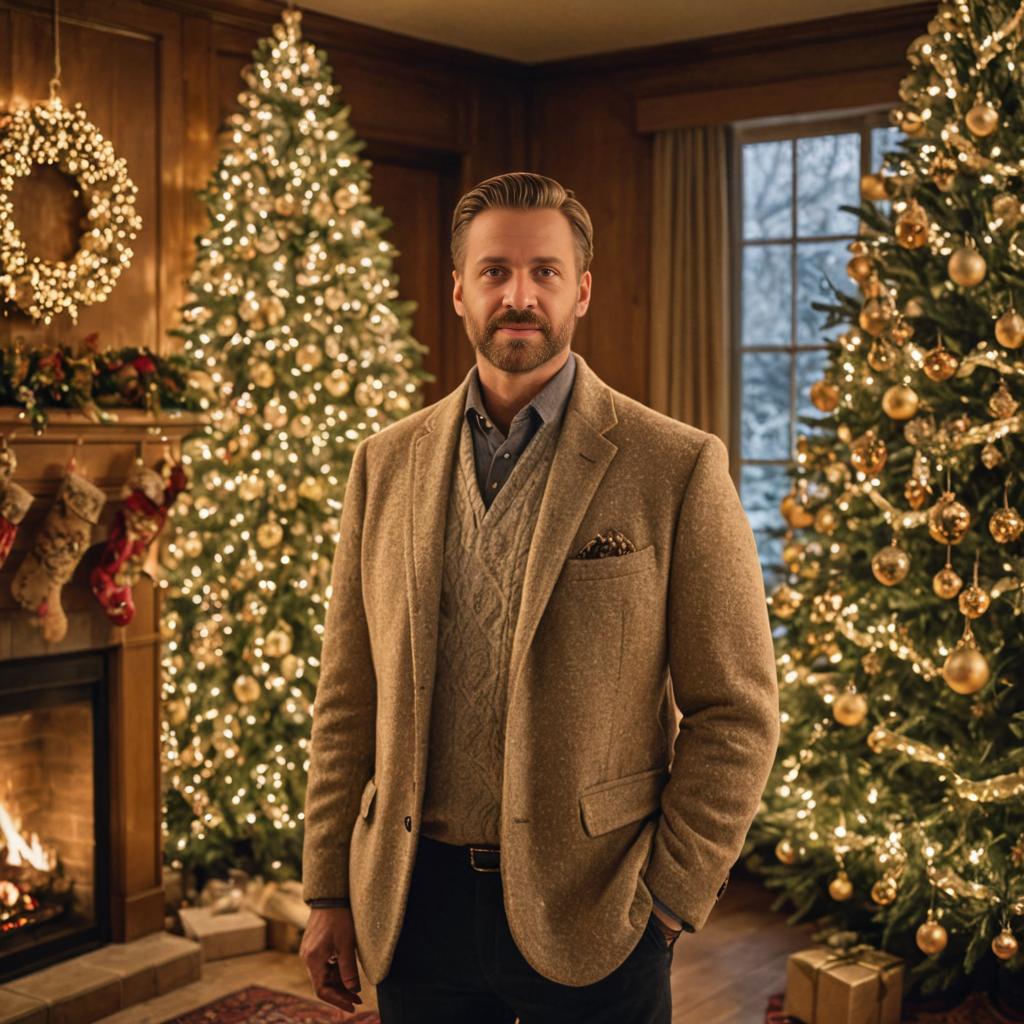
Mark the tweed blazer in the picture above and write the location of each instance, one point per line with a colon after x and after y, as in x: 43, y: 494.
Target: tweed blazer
x: 607, y: 794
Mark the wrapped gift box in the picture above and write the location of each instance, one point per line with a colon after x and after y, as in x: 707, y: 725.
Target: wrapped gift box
x: 857, y: 986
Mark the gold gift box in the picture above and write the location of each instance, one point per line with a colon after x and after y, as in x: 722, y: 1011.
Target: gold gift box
x: 858, y: 986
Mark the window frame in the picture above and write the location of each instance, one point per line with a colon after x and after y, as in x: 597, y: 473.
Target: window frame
x: 863, y: 121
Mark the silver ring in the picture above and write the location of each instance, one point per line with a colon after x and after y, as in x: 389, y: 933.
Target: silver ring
x: 333, y: 958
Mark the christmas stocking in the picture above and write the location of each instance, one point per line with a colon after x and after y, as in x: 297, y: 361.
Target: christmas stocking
x: 57, y: 550
x: 138, y: 521
x: 14, y: 503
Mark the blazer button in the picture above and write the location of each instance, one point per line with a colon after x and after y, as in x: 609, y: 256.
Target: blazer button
x: 408, y: 823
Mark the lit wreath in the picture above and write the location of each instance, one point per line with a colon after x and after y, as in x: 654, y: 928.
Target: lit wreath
x: 53, y: 134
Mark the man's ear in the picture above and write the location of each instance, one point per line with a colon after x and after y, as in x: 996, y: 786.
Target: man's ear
x: 457, y: 293
x: 583, y: 295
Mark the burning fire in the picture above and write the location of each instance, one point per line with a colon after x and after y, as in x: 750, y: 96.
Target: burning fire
x: 20, y: 852
x: 26, y: 876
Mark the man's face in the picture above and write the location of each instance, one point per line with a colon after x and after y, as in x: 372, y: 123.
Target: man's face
x: 517, y: 294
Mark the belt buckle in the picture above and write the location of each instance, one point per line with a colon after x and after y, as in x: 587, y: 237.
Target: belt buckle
x: 473, y: 850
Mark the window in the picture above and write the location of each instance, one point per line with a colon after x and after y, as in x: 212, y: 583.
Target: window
x: 789, y: 236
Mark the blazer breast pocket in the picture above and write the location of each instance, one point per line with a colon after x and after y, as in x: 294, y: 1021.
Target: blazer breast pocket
x: 609, y: 567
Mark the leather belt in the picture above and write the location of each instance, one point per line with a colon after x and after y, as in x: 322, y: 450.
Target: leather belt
x: 485, y: 858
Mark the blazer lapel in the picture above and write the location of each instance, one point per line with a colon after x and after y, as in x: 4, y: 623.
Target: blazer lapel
x: 580, y: 462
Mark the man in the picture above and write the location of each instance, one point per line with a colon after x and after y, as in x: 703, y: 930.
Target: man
x: 532, y: 575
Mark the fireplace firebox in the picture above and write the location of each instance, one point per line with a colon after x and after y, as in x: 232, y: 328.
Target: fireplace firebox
x: 54, y: 809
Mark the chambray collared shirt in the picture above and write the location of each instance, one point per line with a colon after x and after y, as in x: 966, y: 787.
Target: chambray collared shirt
x: 494, y: 454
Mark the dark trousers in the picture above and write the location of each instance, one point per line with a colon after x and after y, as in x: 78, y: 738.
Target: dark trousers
x: 456, y: 961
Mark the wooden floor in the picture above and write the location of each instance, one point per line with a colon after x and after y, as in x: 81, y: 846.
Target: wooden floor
x: 722, y: 974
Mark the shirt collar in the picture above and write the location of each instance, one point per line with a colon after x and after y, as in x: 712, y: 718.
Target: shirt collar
x: 548, y: 403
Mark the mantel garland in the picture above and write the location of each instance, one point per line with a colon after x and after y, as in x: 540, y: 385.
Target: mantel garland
x: 85, y: 378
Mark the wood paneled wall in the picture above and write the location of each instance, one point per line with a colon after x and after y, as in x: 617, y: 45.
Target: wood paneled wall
x: 158, y: 78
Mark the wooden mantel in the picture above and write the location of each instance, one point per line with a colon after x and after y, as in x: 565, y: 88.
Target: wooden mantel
x: 105, y: 455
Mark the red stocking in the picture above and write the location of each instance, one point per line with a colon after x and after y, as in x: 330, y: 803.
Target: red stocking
x: 136, y: 525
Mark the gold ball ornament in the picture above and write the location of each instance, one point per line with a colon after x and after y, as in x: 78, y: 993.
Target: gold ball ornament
x: 301, y: 426
x: 275, y: 412
x: 794, y: 513
x: 785, y: 851
x: 850, y: 709
x: 912, y: 226
x: 269, y: 535
x: 826, y: 519
x: 785, y: 600
x: 309, y: 356
x: 881, y: 356
x: 824, y: 395
x: 859, y: 268
x: 965, y: 670
x: 884, y: 891
x: 250, y: 488
x: 982, y: 120
x: 869, y: 455
x: 1010, y: 329
x: 932, y: 938
x: 278, y: 643
x: 946, y: 583
x: 900, y: 402
x: 939, y: 364
x: 1005, y: 945
x: 312, y: 489
x: 192, y: 545
x: 273, y: 310
x: 176, y: 711
x: 948, y: 520
x: 337, y: 383
x: 873, y: 316
x: 890, y: 565
x: 1006, y: 525
x: 1002, y: 404
x: 872, y: 187
x: 246, y: 689
x: 973, y: 602
x: 913, y: 307
x: 991, y: 456
x: 227, y: 325
x: 290, y: 666
x: 1008, y: 209
x: 840, y: 888
x: 966, y: 267
x: 285, y: 205
x: 262, y: 374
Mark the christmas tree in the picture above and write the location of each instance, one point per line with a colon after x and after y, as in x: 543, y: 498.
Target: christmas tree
x: 895, y: 812
x: 304, y: 350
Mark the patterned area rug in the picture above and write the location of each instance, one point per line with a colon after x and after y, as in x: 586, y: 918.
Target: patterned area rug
x: 255, y: 1005
x: 976, y: 1009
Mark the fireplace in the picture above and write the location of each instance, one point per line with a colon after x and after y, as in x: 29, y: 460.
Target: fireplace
x: 54, y: 809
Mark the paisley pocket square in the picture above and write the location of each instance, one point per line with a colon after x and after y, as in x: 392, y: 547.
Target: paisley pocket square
x: 610, y: 543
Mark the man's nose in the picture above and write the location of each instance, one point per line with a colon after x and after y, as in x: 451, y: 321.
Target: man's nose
x: 520, y: 293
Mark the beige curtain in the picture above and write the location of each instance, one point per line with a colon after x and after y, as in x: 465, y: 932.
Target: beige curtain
x: 690, y: 329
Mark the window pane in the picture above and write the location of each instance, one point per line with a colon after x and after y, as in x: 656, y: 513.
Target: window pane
x: 828, y: 174
x: 883, y: 140
x: 761, y: 489
x: 767, y: 295
x: 764, y: 409
x: 768, y: 189
x: 815, y: 261
x: 810, y: 366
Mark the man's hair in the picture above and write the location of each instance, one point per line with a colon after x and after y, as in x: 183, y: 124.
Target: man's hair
x: 522, y: 190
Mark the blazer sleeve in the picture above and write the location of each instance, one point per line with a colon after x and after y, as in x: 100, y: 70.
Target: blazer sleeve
x: 722, y: 667
x: 344, y: 711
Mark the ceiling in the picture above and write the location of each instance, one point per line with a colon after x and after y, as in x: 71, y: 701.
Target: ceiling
x: 531, y: 31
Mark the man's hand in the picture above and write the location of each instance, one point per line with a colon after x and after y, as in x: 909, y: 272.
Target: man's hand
x: 329, y: 952
x: 669, y: 928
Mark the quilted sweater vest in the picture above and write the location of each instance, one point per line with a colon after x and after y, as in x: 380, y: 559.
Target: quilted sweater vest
x: 484, y: 558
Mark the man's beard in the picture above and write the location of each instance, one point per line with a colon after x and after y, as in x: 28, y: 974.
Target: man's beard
x: 514, y: 354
